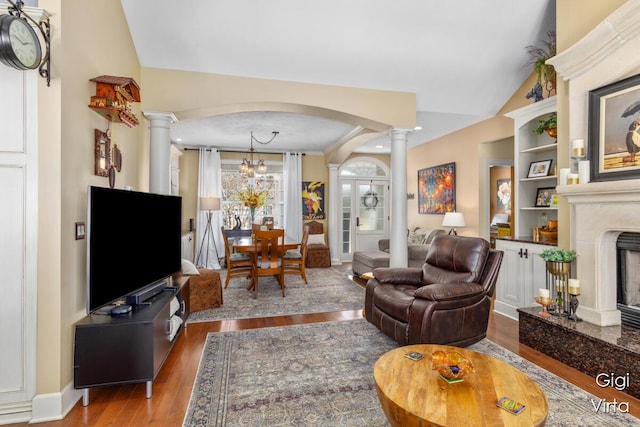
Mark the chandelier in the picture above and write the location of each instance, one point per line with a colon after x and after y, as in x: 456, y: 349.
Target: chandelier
x: 248, y: 167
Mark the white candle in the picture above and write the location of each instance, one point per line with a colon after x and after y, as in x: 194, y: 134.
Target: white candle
x: 583, y: 171
x: 564, y: 175
x: 544, y: 293
x: 577, y: 146
x: 574, y: 287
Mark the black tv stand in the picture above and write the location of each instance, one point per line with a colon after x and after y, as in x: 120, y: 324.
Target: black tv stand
x: 129, y: 348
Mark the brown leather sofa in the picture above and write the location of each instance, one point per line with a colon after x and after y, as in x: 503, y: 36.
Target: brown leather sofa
x: 447, y: 301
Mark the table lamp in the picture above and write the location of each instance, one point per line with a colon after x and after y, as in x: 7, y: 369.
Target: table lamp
x: 453, y: 220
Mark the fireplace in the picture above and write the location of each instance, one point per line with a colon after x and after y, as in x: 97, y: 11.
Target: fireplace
x: 628, y: 283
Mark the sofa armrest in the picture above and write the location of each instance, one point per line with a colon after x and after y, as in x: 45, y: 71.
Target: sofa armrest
x: 398, y: 276
x: 383, y: 245
x: 448, y: 291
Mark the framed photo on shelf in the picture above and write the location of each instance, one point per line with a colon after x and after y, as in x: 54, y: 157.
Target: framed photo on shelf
x: 614, y: 130
x: 545, y: 197
x: 539, y: 168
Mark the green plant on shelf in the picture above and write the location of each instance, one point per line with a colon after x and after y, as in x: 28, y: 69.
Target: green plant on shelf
x: 548, y: 123
x: 558, y: 255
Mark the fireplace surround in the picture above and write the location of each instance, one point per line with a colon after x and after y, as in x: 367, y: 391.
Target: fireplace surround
x: 599, y: 211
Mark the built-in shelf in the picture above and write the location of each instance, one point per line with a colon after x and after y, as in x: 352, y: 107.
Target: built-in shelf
x: 541, y: 148
x: 530, y: 147
x: 540, y: 178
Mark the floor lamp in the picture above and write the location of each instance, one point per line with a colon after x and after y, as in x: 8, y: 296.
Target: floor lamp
x: 208, y: 204
x: 453, y: 220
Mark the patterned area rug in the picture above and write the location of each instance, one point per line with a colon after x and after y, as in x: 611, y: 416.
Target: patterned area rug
x: 328, y: 290
x: 322, y: 375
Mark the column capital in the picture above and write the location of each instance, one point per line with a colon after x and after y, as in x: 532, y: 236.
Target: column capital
x: 394, y: 132
x: 160, y: 115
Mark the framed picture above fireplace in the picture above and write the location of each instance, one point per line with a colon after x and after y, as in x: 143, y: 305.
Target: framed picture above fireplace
x: 614, y: 130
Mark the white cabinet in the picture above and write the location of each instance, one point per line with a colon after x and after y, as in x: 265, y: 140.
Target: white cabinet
x: 529, y: 148
x: 522, y: 274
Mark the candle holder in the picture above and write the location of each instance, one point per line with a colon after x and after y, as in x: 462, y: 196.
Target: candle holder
x: 575, y: 163
x: 573, y: 307
x: 559, y: 303
x: 544, y: 302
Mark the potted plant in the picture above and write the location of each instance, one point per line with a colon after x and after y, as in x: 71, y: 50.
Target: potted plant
x: 539, y: 55
x: 550, y: 125
x: 558, y: 260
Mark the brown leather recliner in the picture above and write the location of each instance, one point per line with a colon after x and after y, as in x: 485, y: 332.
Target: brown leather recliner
x: 447, y: 301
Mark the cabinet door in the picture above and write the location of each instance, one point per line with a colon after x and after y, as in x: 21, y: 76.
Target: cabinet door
x: 510, y: 288
x: 19, y: 231
x: 538, y: 275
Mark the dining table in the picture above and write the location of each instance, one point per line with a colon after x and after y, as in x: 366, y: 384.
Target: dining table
x: 248, y: 245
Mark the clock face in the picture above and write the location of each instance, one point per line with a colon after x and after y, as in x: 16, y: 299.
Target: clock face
x: 19, y: 44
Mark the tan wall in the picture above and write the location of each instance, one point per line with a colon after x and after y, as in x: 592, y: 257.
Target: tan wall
x: 67, y: 164
x: 191, y: 95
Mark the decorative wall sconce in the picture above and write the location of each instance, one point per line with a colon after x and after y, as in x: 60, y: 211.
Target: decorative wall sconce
x: 108, y: 159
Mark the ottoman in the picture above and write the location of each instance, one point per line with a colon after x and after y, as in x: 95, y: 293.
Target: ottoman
x: 318, y: 256
x: 205, y: 290
x: 367, y: 261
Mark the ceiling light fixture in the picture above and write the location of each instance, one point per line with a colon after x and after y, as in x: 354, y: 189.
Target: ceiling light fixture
x: 248, y: 167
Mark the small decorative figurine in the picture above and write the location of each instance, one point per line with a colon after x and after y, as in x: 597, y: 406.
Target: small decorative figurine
x: 536, y: 93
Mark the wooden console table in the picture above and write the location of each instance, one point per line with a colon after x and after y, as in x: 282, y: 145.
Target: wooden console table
x: 412, y: 394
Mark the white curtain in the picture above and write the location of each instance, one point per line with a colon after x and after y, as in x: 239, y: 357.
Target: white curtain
x: 209, y: 243
x: 292, y: 168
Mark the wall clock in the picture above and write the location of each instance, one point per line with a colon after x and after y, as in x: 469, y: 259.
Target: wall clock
x: 19, y: 44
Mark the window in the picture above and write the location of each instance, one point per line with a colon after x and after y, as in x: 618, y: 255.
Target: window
x: 234, y: 210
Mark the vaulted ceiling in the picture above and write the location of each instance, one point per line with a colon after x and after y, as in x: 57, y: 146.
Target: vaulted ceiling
x: 462, y: 58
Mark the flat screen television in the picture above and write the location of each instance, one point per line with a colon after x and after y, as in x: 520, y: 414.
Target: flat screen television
x: 133, y: 242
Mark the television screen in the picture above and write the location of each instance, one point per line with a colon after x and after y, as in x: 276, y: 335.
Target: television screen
x: 133, y: 240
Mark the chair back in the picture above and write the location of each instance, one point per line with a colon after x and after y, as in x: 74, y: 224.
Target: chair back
x: 270, y: 251
x: 257, y: 227
x: 452, y: 259
x: 303, y: 243
x: 315, y: 227
x: 238, y: 264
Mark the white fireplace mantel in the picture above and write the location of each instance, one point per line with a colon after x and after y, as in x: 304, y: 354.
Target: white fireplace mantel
x: 600, y: 211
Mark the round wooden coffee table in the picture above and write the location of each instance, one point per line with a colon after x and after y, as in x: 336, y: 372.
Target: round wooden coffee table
x: 412, y: 394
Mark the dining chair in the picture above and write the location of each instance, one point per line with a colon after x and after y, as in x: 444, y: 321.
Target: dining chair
x: 293, y: 261
x: 256, y: 227
x: 238, y: 264
x: 269, y: 256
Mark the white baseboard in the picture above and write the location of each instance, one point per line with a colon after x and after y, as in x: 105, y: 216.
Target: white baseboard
x: 54, y: 406
x: 11, y: 413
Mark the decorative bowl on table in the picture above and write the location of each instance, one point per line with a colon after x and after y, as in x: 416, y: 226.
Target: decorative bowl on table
x: 451, y: 365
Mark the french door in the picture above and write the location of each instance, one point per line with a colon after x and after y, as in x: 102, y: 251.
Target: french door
x: 365, y: 217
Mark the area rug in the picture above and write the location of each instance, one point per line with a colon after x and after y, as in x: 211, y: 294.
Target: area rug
x: 328, y: 290
x: 322, y: 375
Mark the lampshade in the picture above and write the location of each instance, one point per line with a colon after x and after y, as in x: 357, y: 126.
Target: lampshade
x: 210, y: 203
x: 453, y: 219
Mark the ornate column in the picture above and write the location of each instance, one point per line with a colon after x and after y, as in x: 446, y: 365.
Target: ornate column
x: 398, y: 234
x: 334, y: 214
x: 160, y: 151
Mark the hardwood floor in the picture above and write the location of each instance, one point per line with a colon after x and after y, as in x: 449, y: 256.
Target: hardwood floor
x: 126, y: 405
